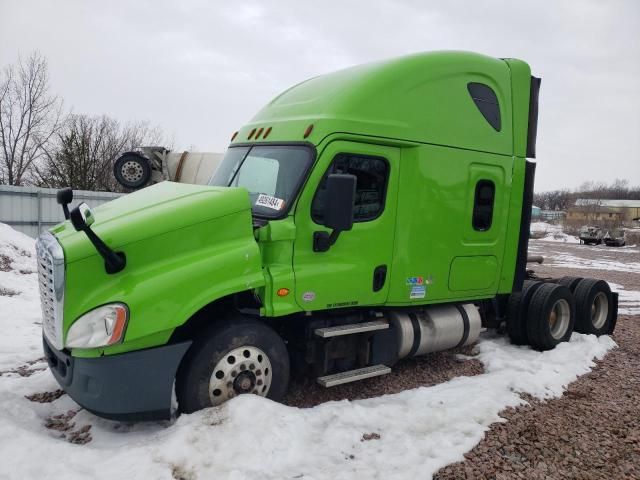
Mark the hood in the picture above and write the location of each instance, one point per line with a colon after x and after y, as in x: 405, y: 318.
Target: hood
x: 149, y: 212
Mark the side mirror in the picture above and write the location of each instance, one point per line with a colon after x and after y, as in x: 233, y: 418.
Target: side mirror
x: 338, y: 212
x: 341, y: 195
x: 82, y: 219
x: 64, y: 198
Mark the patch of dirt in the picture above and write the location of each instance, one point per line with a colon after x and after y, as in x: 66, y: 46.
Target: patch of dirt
x: 370, y: 436
x: 593, y: 430
x: 417, y: 372
x: 181, y: 473
x: 27, y: 369
x: 5, y: 263
x: 45, y: 397
x: 7, y: 292
x: 64, y: 424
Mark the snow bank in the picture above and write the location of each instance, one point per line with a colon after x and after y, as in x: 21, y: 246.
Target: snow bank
x: 544, y: 227
x: 20, y: 315
x: 560, y: 237
x: 421, y: 430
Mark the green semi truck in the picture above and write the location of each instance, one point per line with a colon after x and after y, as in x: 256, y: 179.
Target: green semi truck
x: 362, y: 217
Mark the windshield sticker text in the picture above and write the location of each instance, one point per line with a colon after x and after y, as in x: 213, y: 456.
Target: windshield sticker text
x: 268, y: 201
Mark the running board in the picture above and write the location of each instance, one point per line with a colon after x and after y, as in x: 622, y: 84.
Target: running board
x: 353, y: 375
x: 351, y: 328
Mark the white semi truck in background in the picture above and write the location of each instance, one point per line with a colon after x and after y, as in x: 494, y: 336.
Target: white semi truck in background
x: 148, y: 165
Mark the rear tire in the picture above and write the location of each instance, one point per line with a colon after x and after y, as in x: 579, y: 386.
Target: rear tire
x: 551, y: 316
x: 517, y: 309
x: 594, y: 307
x: 235, y: 357
x: 570, y: 282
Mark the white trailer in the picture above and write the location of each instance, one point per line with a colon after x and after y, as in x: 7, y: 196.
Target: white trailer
x: 148, y: 165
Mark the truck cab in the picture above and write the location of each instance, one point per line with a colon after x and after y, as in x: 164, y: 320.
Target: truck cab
x: 362, y: 217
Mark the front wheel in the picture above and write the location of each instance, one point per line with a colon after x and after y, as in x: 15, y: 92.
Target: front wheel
x: 237, y: 357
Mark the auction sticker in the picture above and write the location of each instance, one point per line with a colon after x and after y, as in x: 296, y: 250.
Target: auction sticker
x: 267, y: 201
x: 308, y: 296
x: 418, y: 291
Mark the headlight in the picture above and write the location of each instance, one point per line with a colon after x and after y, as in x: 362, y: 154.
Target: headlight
x: 100, y: 327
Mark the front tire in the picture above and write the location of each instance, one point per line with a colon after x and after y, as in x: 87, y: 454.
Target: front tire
x: 236, y: 357
x: 551, y: 316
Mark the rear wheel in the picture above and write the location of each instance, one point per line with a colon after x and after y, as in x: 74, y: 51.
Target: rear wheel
x: 594, y: 307
x: 517, y: 309
x: 570, y: 282
x: 237, y: 357
x: 551, y: 316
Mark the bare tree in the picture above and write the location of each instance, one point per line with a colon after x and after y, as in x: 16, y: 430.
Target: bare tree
x: 29, y: 117
x: 84, y: 150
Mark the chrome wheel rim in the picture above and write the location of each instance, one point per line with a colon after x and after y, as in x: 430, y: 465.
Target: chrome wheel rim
x: 599, y: 310
x: 559, y: 319
x: 242, y: 370
x: 132, y: 171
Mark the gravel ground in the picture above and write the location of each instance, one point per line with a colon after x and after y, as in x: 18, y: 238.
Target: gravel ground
x: 591, y: 432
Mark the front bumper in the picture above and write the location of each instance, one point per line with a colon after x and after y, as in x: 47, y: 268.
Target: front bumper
x: 130, y: 386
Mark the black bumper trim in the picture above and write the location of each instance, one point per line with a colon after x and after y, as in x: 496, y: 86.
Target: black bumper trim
x: 129, y: 386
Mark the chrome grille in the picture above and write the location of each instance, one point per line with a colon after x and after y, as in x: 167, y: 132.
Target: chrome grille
x: 51, y: 280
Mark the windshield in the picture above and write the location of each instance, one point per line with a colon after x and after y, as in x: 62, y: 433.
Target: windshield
x: 271, y: 174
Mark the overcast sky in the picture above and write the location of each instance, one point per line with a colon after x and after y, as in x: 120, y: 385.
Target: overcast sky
x: 200, y: 69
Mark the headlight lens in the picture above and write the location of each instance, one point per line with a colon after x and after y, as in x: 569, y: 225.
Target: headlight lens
x: 100, y: 327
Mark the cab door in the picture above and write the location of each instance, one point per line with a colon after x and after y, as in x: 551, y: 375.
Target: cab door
x: 356, y: 268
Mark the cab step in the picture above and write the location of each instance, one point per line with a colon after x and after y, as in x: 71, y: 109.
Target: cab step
x: 351, y: 328
x: 353, y: 375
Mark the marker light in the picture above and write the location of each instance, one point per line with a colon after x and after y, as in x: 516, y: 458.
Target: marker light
x: 251, y: 134
x: 260, y: 130
x: 100, y: 327
x: 266, y: 134
x: 283, y: 292
x: 233, y: 137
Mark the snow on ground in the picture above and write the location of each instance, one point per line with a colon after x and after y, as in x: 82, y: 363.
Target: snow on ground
x: 20, y: 313
x: 628, y: 300
x: 566, y: 260
x: 545, y: 227
x: 560, y: 237
x: 421, y: 430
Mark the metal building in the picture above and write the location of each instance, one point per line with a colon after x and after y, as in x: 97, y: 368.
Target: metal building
x: 31, y: 210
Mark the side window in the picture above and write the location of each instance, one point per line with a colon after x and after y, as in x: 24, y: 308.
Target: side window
x: 483, y: 205
x: 487, y: 102
x: 372, y: 174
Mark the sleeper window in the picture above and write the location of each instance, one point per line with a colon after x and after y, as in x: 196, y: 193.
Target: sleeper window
x: 483, y: 205
x: 372, y: 174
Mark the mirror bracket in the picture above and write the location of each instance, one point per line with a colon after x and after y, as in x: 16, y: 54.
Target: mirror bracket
x: 322, y: 241
x: 114, y: 262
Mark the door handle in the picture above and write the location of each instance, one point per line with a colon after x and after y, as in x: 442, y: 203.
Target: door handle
x: 379, y: 277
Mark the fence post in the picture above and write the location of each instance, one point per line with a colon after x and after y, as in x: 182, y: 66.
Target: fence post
x: 39, y: 200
